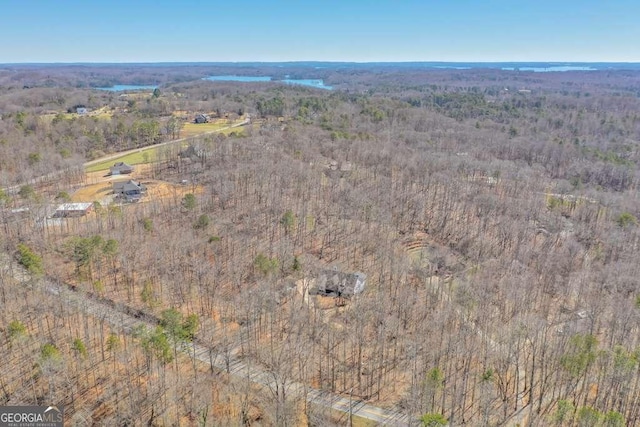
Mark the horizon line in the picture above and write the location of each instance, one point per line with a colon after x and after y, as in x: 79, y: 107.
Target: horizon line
x: 319, y: 62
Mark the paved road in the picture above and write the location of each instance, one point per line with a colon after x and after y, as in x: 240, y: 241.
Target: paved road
x: 119, y: 319
x: 237, y: 366
x: 117, y: 316
x: 14, y: 189
x: 173, y: 141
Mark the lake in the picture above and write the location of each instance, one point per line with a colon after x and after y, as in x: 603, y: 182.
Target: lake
x: 316, y: 83
x: 237, y: 79
x: 121, y: 88
x: 558, y: 68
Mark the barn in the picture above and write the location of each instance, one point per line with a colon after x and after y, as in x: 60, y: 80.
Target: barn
x: 70, y: 210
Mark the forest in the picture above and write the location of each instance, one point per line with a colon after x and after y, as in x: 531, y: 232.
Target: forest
x: 494, y: 214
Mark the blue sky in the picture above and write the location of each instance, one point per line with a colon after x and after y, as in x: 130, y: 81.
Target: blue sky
x: 329, y: 30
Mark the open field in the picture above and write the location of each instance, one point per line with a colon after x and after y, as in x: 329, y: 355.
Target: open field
x: 149, y: 155
x: 195, y: 129
x: 92, y: 193
x: 144, y: 155
x: 232, y: 130
x: 101, y: 113
x: 103, y: 192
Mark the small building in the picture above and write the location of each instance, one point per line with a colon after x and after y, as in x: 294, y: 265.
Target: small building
x: 70, y: 210
x: 339, y: 284
x: 335, y: 169
x: 78, y: 109
x: 130, y: 191
x: 201, y: 118
x: 121, y: 168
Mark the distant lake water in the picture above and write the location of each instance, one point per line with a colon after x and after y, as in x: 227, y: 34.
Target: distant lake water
x: 237, y: 79
x: 317, y: 83
x: 452, y: 67
x: 560, y: 68
x: 122, y: 88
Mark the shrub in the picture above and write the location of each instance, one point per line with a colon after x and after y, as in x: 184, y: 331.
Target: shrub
x: 189, y: 201
x: 30, y: 260
x: 202, y: 222
x: 433, y: 420
x: 626, y: 219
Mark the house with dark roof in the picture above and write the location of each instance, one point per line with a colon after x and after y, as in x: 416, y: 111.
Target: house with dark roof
x: 121, y: 168
x: 130, y: 191
x: 332, y: 282
x: 201, y: 118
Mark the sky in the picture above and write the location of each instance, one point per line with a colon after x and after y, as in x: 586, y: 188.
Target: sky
x: 311, y: 30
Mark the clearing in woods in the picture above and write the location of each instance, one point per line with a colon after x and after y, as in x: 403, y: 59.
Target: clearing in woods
x: 223, y: 126
x: 103, y: 191
x: 100, y: 187
x: 98, y: 113
x: 150, y: 155
x: 141, y: 156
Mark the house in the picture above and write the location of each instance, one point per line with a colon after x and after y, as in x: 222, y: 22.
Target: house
x: 201, y: 118
x: 121, y: 168
x: 78, y: 109
x: 339, y: 284
x: 334, y: 169
x: 130, y: 191
x: 69, y: 210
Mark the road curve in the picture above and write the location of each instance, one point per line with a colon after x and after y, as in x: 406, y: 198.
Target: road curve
x: 118, y: 318
x: 14, y: 189
x: 117, y: 315
x: 121, y: 320
x: 160, y: 144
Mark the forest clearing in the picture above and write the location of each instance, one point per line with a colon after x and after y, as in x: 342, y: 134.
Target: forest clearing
x: 154, y: 153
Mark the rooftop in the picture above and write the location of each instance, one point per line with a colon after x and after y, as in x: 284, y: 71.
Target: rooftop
x: 74, y: 206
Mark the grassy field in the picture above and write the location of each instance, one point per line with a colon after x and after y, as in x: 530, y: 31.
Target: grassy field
x: 237, y: 130
x: 102, y: 113
x: 150, y: 155
x: 141, y: 156
x: 193, y: 129
x: 362, y: 422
